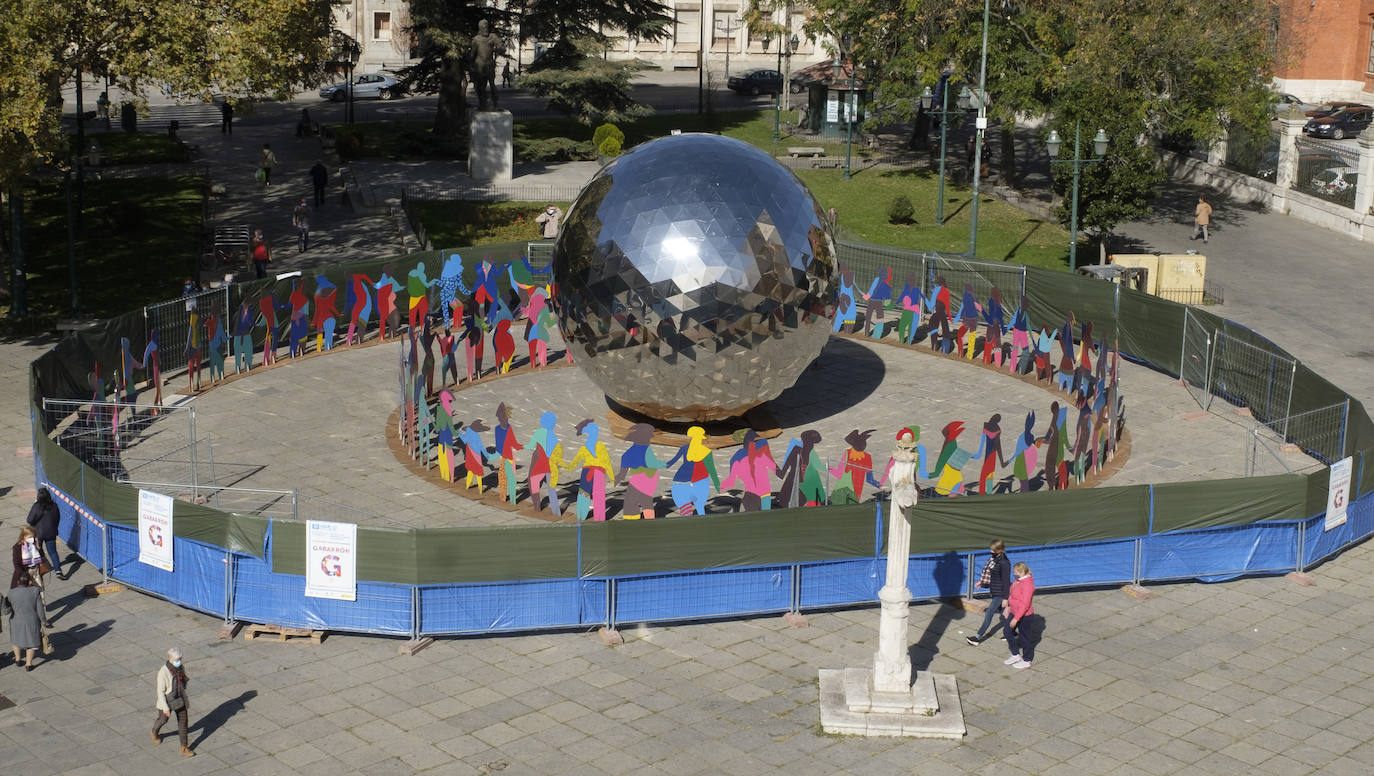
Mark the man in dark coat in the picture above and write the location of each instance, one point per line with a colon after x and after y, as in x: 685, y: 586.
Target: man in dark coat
x: 43, y: 518
x: 319, y: 176
x: 996, y: 577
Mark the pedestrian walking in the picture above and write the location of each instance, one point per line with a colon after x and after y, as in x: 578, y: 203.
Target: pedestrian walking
x: 27, y: 557
x: 43, y: 518
x: 266, y: 161
x: 172, y: 699
x: 1202, y: 218
x: 996, y: 577
x: 304, y: 126
x: 300, y: 218
x: 549, y: 221
x: 226, y: 118
x: 25, y: 609
x: 319, y: 176
x: 506, y: 78
x: 261, y: 253
x: 1014, y: 613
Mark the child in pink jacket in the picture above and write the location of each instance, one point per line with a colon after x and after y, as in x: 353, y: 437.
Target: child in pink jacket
x: 1014, y: 611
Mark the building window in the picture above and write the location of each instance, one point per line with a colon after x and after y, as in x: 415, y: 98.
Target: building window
x: 1369, y: 68
x: 687, y: 26
x: 724, y: 28
x: 381, y: 25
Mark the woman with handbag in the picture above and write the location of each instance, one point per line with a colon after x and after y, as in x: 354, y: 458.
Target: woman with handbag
x: 27, y: 556
x: 172, y: 699
x: 25, y: 610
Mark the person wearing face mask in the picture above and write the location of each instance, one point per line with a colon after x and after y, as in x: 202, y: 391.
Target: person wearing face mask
x: 550, y: 219
x: 172, y: 699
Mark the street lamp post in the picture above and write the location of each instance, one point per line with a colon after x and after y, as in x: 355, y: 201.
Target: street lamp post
x: 350, y: 53
x: 790, y: 45
x: 847, y: 47
x: 728, y: 30
x: 981, y: 127
x: 927, y: 99
x: 1053, y: 144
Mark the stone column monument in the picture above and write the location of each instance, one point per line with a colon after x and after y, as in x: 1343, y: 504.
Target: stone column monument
x: 490, y: 141
x: 1364, y: 185
x: 884, y: 701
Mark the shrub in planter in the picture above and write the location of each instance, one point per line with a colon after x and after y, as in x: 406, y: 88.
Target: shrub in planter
x: 901, y: 210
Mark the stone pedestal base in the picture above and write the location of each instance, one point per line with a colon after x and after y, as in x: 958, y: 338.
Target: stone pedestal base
x: 491, y: 147
x: 930, y: 710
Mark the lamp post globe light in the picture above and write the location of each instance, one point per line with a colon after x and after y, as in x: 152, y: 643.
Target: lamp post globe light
x: 1053, y: 144
x: 927, y: 102
x: 790, y: 44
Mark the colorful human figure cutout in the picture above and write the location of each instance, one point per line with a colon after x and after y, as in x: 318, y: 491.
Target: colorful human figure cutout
x: 878, y: 295
x: 1025, y: 456
x: 911, y: 300
x: 994, y: 320
x: 693, y: 480
x: 448, y: 362
x: 474, y: 338
x: 450, y: 284
x: 446, y: 437
x: 359, y: 303
x: 1020, y: 337
x: 802, y: 472
x: 539, y: 316
x: 388, y: 316
x: 150, y: 362
x: 417, y: 289
x: 503, y: 342
x: 846, y: 306
x: 475, y: 454
x: 752, y: 468
x: 855, y: 469
x: 300, y: 321
x: 593, y: 462
x: 969, y: 311
x: 325, y: 319
x: 243, y: 338
x: 215, y: 342
x: 506, y: 445
x: 639, y: 468
x: 545, y: 454
x: 949, y: 465
x: 990, y: 451
x: 485, y: 291
x: 193, y: 343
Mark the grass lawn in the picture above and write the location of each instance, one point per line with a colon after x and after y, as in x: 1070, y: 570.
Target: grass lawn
x: 1004, y: 232
x: 454, y: 223
x: 136, y: 147
x: 142, y: 240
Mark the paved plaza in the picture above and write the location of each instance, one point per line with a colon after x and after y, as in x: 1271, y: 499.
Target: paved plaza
x: 1257, y: 675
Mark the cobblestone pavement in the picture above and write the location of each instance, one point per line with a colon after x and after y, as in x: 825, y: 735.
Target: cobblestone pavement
x: 1250, y: 676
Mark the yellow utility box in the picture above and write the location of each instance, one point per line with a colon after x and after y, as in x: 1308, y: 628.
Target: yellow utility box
x: 1181, y: 277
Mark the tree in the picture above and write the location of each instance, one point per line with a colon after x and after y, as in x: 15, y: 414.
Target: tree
x: 444, y: 30
x: 574, y: 74
x: 1138, y: 70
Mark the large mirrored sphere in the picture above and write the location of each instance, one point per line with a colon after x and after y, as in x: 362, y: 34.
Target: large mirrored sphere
x: 692, y: 277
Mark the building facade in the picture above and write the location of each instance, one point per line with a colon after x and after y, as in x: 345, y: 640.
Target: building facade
x: 1327, y: 49
x: 712, y: 29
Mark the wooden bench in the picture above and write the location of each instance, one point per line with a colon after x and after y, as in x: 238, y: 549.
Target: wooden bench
x: 795, y: 151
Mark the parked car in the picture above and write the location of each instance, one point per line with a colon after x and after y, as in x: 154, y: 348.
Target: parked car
x: 1285, y: 100
x: 1346, y: 122
x: 1328, y: 108
x: 365, y: 87
x: 1335, y: 180
x: 760, y: 81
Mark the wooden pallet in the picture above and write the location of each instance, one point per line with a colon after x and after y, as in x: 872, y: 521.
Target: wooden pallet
x: 282, y: 633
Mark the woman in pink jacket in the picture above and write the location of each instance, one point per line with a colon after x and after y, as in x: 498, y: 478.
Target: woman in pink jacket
x: 1014, y: 611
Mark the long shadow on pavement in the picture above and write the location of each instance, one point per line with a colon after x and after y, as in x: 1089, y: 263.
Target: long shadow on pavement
x: 208, y: 724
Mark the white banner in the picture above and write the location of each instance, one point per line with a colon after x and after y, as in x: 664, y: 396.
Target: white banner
x: 331, y: 551
x: 155, y: 529
x: 1338, y: 493
x: 832, y: 109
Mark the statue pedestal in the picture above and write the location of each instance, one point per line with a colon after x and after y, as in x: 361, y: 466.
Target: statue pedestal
x: 491, y: 146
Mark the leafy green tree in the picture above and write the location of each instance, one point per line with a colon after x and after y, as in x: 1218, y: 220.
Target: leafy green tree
x: 1138, y: 70
x: 444, y: 30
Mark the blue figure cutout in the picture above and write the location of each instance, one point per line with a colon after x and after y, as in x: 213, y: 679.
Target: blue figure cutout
x: 450, y: 283
x: 995, y: 323
x: 1026, y: 455
x: 545, y: 454
x: 243, y: 338
x: 326, y: 313
x: 879, y: 294
x: 388, y: 315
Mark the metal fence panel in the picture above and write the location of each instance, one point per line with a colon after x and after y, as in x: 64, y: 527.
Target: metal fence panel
x: 981, y: 275
x: 703, y: 594
x: 172, y: 321
x: 508, y: 606
x: 1251, y: 376
x: 1196, y: 358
